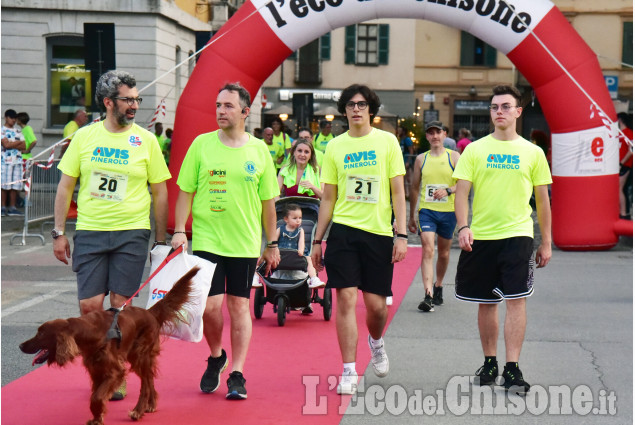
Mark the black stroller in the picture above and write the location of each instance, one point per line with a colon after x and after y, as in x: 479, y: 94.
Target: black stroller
x: 290, y: 290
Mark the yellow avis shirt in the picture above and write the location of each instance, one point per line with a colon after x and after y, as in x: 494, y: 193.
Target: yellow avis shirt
x: 436, y: 173
x: 362, y: 167
x: 114, y: 170
x: 503, y: 174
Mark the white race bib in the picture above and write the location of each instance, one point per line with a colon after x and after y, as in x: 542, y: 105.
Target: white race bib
x: 108, y: 185
x: 362, y: 188
x: 431, y: 188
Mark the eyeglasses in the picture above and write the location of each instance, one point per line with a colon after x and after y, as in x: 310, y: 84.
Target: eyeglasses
x: 505, y: 107
x: 361, y: 105
x: 130, y: 100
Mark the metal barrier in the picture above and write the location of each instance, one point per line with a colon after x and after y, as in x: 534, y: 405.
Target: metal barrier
x: 39, y: 203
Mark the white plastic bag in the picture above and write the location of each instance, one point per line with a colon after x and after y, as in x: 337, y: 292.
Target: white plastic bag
x: 163, y: 281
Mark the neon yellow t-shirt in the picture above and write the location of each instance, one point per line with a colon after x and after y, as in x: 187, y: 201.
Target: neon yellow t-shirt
x: 230, y: 185
x: 114, y: 170
x: 319, y: 158
x: 70, y: 128
x: 29, y: 137
x: 436, y: 173
x: 320, y: 141
x: 275, y: 150
x: 503, y: 174
x: 362, y: 167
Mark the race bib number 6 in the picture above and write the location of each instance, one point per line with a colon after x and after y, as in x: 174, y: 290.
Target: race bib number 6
x: 108, y: 186
x: 362, y: 188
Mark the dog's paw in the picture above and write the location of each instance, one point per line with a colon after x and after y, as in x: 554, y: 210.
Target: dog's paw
x: 135, y: 415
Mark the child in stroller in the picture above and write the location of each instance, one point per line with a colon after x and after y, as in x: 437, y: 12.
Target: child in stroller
x: 291, y: 236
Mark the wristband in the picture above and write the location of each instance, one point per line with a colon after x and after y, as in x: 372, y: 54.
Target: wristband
x: 272, y: 246
x: 158, y: 243
x: 317, y: 241
x: 174, y: 233
x: 402, y: 236
x: 464, y: 227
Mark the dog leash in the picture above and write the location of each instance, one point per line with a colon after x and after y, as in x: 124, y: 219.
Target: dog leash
x: 114, y: 332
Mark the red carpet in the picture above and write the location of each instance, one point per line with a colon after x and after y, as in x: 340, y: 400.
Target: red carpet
x: 278, y: 359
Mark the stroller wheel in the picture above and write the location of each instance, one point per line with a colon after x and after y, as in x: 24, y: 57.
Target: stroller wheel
x: 327, y: 304
x: 259, y: 302
x: 282, y: 311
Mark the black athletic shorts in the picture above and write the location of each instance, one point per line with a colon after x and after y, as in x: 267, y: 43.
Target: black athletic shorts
x: 496, y: 270
x: 356, y: 258
x: 233, y: 275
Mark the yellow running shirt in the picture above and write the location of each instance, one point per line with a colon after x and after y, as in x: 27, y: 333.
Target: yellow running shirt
x: 503, y: 174
x: 230, y: 185
x: 436, y: 173
x: 114, y: 170
x: 362, y: 167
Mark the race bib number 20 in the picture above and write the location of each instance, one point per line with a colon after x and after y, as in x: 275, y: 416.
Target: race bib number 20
x: 108, y: 186
x: 362, y: 188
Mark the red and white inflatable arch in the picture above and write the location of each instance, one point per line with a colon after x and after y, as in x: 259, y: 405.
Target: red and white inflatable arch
x: 534, y: 34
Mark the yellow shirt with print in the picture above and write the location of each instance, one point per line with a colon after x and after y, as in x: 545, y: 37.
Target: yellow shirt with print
x: 362, y: 167
x: 503, y: 174
x: 114, y: 170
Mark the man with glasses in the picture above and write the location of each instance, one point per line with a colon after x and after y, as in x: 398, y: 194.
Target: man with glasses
x: 362, y: 170
x: 496, y: 262
x: 115, y: 160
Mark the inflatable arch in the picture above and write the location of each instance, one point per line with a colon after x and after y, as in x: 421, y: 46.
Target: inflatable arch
x: 533, y: 34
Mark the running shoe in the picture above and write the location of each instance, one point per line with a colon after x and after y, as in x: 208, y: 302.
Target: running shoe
x: 236, y: 386
x: 514, y: 381
x: 348, y: 382
x: 315, y: 282
x: 487, y: 374
x: 120, y: 393
x: 437, y: 297
x: 211, y: 378
x: 256, y: 282
x: 307, y: 310
x: 379, y: 359
x: 14, y: 212
x: 426, y: 304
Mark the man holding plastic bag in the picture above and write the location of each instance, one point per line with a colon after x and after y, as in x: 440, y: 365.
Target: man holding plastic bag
x: 228, y: 182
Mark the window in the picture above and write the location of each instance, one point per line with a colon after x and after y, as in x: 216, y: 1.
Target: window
x: 475, y: 52
x: 627, y: 44
x: 190, y: 63
x: 367, y: 44
x: 177, y: 72
x: 69, y: 85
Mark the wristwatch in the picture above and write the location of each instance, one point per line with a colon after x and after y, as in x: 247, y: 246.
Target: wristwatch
x: 449, y: 191
x: 56, y: 233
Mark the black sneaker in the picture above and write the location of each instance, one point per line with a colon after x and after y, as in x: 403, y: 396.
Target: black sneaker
x: 514, y: 381
x: 437, y: 298
x: 426, y: 304
x: 211, y: 378
x: 487, y: 373
x: 236, y: 386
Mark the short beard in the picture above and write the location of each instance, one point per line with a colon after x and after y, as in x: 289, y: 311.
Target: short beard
x: 122, y: 119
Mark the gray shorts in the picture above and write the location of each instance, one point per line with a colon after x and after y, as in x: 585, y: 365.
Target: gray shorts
x: 109, y: 261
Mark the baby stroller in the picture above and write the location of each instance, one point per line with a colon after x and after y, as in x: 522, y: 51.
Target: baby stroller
x: 288, y: 286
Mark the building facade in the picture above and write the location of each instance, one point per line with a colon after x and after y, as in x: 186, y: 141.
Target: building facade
x: 50, y: 48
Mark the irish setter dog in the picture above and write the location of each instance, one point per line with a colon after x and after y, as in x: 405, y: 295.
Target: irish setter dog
x: 59, y: 341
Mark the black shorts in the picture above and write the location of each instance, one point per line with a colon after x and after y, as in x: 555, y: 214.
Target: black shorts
x: 356, y: 258
x: 233, y: 275
x: 624, y: 170
x: 496, y: 270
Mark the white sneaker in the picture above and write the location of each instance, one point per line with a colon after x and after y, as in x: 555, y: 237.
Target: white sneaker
x: 348, y: 382
x: 315, y: 282
x: 379, y: 359
x: 256, y: 282
x: 388, y: 300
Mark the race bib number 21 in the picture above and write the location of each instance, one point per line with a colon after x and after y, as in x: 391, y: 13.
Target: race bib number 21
x: 362, y: 189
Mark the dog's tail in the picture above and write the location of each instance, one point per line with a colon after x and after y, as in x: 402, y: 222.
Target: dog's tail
x: 168, y: 309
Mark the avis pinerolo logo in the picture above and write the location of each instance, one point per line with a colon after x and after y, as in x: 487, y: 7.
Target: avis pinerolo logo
x: 360, y: 159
